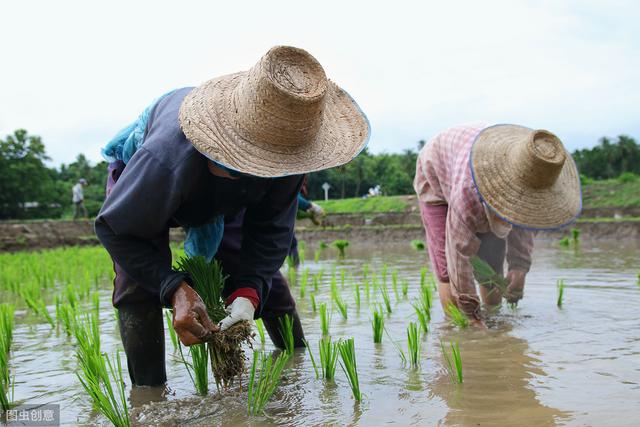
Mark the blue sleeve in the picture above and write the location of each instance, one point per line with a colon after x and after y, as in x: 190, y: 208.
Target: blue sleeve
x: 303, y: 204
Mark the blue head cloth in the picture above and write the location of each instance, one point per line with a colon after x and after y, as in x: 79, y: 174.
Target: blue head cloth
x: 200, y: 241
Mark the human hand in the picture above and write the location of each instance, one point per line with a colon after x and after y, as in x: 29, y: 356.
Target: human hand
x: 240, y: 309
x: 190, y: 318
x: 316, y: 213
x: 478, y: 324
x: 515, y: 289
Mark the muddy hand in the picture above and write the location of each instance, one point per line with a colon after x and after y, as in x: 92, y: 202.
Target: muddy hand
x: 240, y: 309
x: 190, y: 319
x: 515, y: 290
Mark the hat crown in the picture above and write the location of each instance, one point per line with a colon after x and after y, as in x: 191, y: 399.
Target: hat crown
x: 541, y: 159
x: 281, y: 100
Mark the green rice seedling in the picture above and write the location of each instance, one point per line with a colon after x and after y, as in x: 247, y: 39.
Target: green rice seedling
x: 110, y: 400
x: 426, y: 296
x: 487, y: 276
x: 356, y: 294
x: 454, y: 362
x: 225, y: 348
x: 260, y: 327
x: 575, y: 236
x: 349, y: 366
x: 377, y: 323
x: 405, y: 288
x: 367, y: 288
x: 286, y: 332
x: 413, y: 344
x: 564, y: 242
x: 383, y: 273
x: 365, y: 270
x: 6, y: 339
x: 292, y: 276
x: 302, y: 247
x: 6, y: 326
x: 264, y: 378
x: 304, y: 278
x: 394, y: 284
x: 423, y: 277
x: 403, y: 357
x: 343, y: 277
x: 385, y: 297
x: 313, y: 360
x: 290, y: 262
x: 423, y: 316
x: 172, y: 332
x: 341, y: 245
x: 324, y: 319
x: 341, y: 305
x: 200, y: 365
x: 418, y: 245
x: 560, y: 285
x: 312, y: 299
x: 458, y: 318
x: 65, y: 317
x: 33, y: 299
x: 328, y: 357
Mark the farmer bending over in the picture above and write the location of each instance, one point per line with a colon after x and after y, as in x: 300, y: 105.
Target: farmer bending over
x: 482, y: 191
x: 239, y: 142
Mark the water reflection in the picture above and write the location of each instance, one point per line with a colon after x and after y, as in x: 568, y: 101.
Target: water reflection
x: 498, y: 371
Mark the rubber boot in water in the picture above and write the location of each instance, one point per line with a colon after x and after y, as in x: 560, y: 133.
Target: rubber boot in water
x: 272, y: 325
x: 142, y: 333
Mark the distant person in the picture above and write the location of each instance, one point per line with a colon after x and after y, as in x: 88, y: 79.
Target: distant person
x: 78, y: 199
x: 482, y: 191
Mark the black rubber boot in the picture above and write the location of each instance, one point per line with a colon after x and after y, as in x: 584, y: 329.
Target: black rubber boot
x: 142, y: 333
x: 272, y: 325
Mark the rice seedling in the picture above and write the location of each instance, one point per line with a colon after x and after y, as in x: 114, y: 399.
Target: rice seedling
x: 200, y: 368
x: 405, y: 288
x: 383, y: 273
x: 560, y: 285
x: 564, y: 242
x: 367, y: 288
x: 65, y: 315
x: 6, y: 327
x: 302, y: 247
x: 341, y: 245
x: 423, y: 277
x: 394, y: 284
x: 264, y: 378
x: 575, y: 236
x: 304, y: 278
x: 225, y: 347
x: 365, y: 270
x: 6, y: 339
x: 337, y: 298
x: 317, y: 279
x: 172, y: 332
x: 343, y: 277
x: 418, y: 245
x: 260, y: 327
x: 110, y: 400
x: 313, y: 360
x: 33, y: 299
x: 292, y: 276
x: 385, y: 297
x: 457, y: 317
x: 423, y: 316
x: 403, y: 357
x: 413, y: 344
x: 324, y: 319
x: 328, y: 357
x: 286, y: 332
x: 312, y: 299
x: 454, y: 362
x: 356, y: 294
x: 377, y: 323
x: 349, y: 366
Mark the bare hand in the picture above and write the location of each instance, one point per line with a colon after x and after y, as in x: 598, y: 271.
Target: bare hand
x: 190, y: 319
x: 515, y: 290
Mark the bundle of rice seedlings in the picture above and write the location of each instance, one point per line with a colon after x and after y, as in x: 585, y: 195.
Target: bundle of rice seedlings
x: 486, y: 276
x: 348, y: 364
x: 454, y: 363
x: 328, y: 357
x: 405, y: 288
x: 225, y: 347
x: 324, y: 319
x: 341, y: 305
x: 263, y: 380
x: 65, y: 316
x: 413, y: 344
x: 377, y: 323
x: 457, y: 317
x: 312, y: 299
x: 385, y: 297
x: 341, y: 245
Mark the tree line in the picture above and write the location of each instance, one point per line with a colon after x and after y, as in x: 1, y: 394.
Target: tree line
x: 30, y: 189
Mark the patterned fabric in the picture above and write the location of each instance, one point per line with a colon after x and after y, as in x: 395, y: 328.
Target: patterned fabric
x: 443, y: 177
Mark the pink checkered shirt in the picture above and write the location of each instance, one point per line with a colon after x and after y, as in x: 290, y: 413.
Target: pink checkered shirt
x: 443, y: 176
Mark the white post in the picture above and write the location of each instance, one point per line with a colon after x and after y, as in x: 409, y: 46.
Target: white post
x: 326, y: 188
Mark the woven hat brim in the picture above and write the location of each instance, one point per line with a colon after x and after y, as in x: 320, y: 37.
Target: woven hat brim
x: 207, y: 120
x: 506, y: 192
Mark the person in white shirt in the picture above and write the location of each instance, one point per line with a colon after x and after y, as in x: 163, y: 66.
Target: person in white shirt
x: 78, y: 199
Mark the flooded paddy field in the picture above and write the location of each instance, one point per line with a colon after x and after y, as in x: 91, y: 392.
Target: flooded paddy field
x: 535, y: 365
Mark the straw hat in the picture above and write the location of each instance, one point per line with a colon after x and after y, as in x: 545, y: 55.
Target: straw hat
x: 526, y: 176
x: 281, y: 117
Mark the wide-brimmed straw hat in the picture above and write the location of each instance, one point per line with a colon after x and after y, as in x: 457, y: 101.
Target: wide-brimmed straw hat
x: 281, y: 117
x: 526, y: 176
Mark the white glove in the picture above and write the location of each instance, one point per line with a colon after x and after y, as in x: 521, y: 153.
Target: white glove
x: 316, y: 210
x: 240, y: 309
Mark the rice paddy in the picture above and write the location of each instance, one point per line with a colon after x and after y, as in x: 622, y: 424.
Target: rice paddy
x: 61, y: 315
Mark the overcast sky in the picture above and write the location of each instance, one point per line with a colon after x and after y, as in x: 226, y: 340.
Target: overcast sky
x: 75, y: 72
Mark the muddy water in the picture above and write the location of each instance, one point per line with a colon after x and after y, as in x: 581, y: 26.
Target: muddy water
x: 539, y: 365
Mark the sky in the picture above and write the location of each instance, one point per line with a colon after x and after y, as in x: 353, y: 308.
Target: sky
x: 75, y: 72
